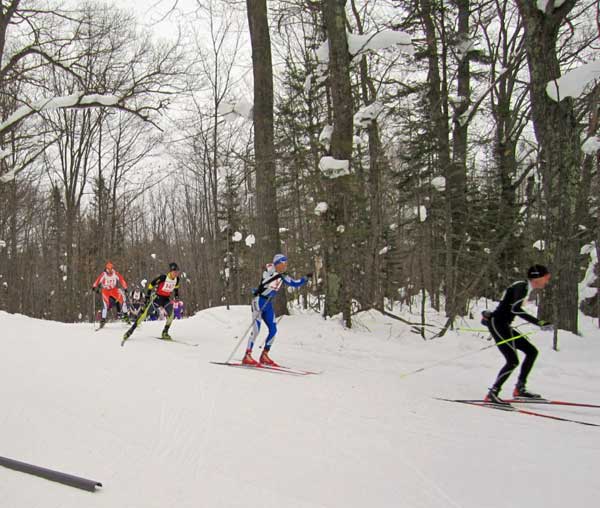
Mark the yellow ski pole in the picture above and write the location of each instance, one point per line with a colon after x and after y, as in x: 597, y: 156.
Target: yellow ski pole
x: 466, y: 354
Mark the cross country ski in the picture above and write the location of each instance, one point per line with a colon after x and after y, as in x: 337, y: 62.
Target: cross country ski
x: 510, y: 408
x: 539, y: 402
x: 272, y: 368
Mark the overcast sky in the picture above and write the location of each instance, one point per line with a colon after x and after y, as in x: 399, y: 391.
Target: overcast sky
x: 162, y: 16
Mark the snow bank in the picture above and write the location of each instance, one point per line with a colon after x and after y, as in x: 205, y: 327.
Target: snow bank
x: 160, y: 426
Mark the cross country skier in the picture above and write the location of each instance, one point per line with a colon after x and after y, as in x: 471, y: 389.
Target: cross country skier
x: 178, y: 307
x: 109, y: 280
x: 262, y: 306
x: 136, y: 302
x: 499, y: 322
x: 158, y: 295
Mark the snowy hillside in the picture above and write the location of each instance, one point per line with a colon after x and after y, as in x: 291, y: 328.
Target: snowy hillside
x: 161, y: 427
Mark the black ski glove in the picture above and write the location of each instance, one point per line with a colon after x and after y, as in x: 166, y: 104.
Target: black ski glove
x: 486, y: 315
x: 309, y: 275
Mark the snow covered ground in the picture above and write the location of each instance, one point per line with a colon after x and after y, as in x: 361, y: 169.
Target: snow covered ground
x: 161, y: 427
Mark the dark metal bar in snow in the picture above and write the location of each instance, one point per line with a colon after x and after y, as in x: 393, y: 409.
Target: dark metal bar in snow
x: 49, y: 474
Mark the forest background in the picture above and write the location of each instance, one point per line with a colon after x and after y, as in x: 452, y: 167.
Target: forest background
x: 419, y: 152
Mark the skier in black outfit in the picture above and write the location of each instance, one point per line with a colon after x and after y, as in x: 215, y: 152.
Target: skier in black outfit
x: 499, y: 322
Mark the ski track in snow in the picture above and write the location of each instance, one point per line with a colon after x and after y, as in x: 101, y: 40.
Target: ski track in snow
x: 161, y: 427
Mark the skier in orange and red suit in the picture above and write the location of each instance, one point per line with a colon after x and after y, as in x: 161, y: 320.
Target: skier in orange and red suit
x: 109, y: 279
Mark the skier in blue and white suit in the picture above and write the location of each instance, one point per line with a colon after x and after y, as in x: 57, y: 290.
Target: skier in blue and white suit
x: 273, y: 278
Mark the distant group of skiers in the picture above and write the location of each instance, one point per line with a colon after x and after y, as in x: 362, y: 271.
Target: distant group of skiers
x: 156, y: 300
x: 159, y: 293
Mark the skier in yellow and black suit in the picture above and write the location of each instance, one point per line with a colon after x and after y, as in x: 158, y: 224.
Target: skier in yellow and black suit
x: 158, y: 295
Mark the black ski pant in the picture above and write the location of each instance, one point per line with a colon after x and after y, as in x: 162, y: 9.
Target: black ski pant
x: 501, y: 330
x: 155, y: 301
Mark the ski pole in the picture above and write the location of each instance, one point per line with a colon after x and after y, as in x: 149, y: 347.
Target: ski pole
x: 254, y: 316
x: 139, y: 319
x: 94, y: 310
x: 485, y: 329
x: 447, y: 360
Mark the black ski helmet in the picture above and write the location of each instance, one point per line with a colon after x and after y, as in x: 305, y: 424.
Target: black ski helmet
x: 173, y: 267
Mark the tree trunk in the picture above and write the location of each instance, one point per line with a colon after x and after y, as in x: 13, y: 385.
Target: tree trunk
x: 373, y: 290
x: 338, y: 251
x: 558, y: 134
x: 456, y: 179
x: 267, y: 223
x: 437, y: 104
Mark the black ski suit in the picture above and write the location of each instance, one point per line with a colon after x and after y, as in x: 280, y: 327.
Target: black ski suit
x: 501, y: 329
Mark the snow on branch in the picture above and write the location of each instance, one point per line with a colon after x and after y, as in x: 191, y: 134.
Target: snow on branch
x: 358, y: 45
x: 8, y: 176
x: 573, y: 83
x: 367, y: 114
x: 439, y: 183
x: 361, y: 44
x: 321, y: 208
x: 542, y: 5
x: 250, y: 240
x: 76, y: 100
x: 586, y: 286
x: 334, y: 168
x: 241, y: 108
x: 421, y: 213
x: 591, y: 145
x: 325, y: 136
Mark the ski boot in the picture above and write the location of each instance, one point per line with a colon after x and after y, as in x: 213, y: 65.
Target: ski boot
x: 102, y: 322
x: 165, y: 334
x: 126, y: 319
x: 126, y: 336
x: 266, y: 360
x: 248, y: 360
x: 492, y: 397
x: 522, y: 393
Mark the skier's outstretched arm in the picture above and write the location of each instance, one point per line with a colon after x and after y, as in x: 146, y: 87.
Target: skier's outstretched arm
x: 295, y: 283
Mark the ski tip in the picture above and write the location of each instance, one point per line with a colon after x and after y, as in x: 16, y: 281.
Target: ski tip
x: 477, y: 402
